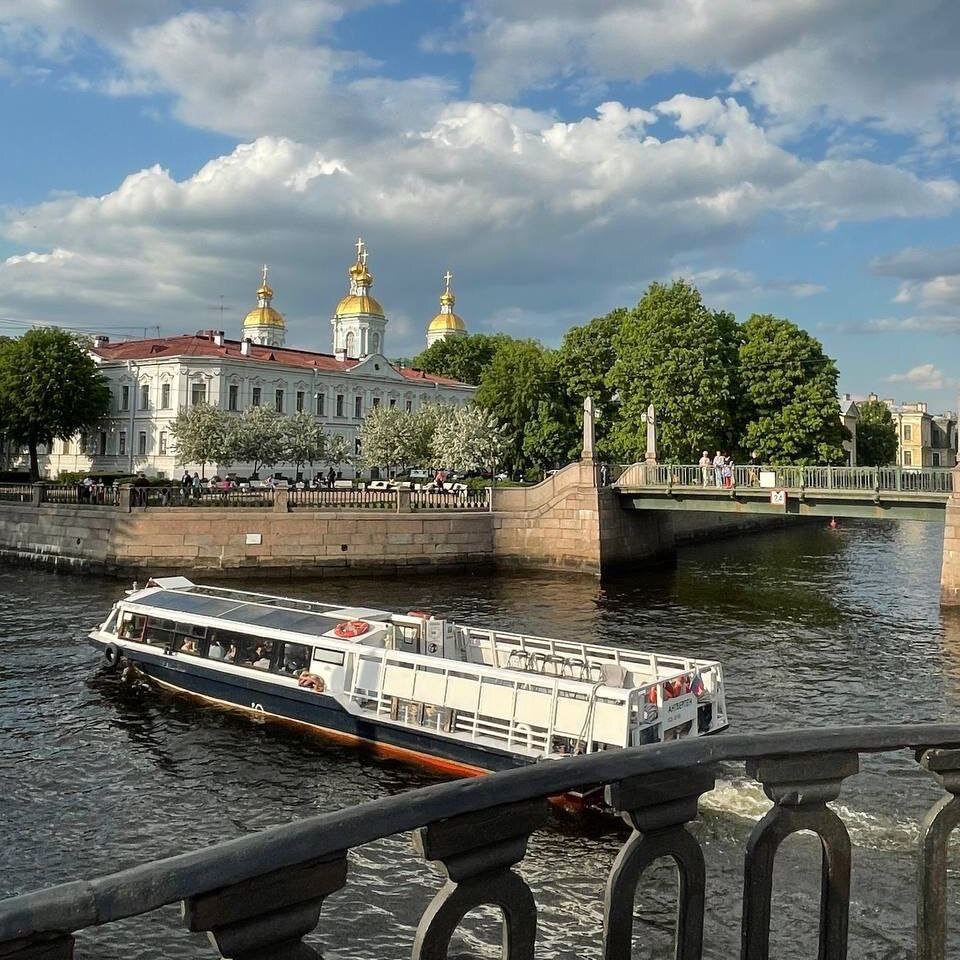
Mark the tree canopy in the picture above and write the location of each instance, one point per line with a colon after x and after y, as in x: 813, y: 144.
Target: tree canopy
x: 788, y: 386
x: 50, y: 389
x: 462, y: 358
x: 876, y: 435
x: 674, y: 352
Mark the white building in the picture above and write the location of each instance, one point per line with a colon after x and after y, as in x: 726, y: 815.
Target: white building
x: 152, y: 380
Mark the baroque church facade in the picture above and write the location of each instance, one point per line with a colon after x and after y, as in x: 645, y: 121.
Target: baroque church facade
x: 152, y: 380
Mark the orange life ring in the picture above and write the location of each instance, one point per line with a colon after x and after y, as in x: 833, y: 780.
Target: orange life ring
x: 312, y: 681
x: 348, y: 629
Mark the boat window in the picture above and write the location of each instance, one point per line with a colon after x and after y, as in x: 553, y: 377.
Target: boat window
x: 224, y: 644
x: 255, y: 652
x: 328, y: 656
x: 190, y: 639
x: 131, y: 627
x: 293, y: 658
x: 159, y: 632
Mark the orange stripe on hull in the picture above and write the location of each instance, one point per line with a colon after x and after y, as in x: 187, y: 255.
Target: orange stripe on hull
x: 440, y: 764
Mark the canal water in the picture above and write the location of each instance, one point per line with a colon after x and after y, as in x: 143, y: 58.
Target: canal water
x: 814, y: 627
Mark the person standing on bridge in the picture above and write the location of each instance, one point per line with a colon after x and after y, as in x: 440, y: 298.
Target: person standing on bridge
x: 705, y: 464
x: 718, y: 461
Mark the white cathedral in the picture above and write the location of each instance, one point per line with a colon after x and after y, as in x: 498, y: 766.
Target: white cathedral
x: 151, y: 380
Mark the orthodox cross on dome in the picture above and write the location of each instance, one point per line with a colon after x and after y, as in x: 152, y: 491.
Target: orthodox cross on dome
x: 359, y: 246
x: 447, y: 277
x: 363, y: 256
x: 263, y: 276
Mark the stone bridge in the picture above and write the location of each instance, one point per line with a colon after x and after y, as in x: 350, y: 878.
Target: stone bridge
x: 872, y: 493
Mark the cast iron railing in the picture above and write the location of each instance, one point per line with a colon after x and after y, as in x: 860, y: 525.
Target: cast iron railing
x: 259, y: 895
x: 937, y: 480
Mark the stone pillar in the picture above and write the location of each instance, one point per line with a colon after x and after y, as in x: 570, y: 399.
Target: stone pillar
x: 950, y: 571
x: 281, y: 500
x: 39, y: 494
x: 123, y: 503
x: 403, y: 501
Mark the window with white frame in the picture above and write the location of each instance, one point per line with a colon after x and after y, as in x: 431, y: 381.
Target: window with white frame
x: 142, y: 443
x: 198, y: 393
x: 164, y: 396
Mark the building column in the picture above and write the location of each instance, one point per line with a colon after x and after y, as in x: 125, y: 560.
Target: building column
x: 950, y: 571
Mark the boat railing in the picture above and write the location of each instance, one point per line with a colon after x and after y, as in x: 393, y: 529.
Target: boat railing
x: 513, y: 708
x: 261, y: 894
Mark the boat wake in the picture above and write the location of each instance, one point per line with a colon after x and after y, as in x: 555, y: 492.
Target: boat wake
x: 744, y: 798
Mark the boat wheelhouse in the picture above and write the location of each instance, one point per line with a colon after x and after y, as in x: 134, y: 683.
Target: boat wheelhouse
x: 463, y: 698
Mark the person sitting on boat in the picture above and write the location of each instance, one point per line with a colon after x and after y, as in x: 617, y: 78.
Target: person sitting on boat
x: 231, y: 655
x: 189, y: 645
x: 217, y: 650
x: 261, y: 658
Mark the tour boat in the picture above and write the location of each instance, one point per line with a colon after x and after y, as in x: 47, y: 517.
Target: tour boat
x: 464, y: 699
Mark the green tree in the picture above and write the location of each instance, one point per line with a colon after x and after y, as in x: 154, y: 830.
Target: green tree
x: 876, y: 435
x: 461, y: 358
x: 200, y: 436
x: 50, y: 389
x: 674, y: 352
x: 257, y: 437
x: 789, y: 395
x: 522, y: 390
x: 584, y: 362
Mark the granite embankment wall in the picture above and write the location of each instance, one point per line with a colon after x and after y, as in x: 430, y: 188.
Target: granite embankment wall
x: 566, y: 522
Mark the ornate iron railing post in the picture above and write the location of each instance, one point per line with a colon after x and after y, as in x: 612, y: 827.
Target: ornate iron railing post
x: 657, y: 807
x: 800, y: 788
x: 477, y: 851
x: 267, y: 917
x: 935, y: 831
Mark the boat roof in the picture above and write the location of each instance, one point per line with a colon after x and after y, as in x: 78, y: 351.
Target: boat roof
x: 255, y: 610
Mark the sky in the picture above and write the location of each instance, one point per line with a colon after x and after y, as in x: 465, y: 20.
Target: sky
x: 797, y: 157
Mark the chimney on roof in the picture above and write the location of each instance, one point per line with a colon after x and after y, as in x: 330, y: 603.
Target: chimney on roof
x: 340, y: 354
x: 846, y: 396
x: 245, y: 345
x: 100, y: 340
x: 218, y: 337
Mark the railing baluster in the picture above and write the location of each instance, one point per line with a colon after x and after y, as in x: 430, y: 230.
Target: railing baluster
x: 657, y: 807
x: 935, y: 831
x: 267, y: 917
x: 477, y: 851
x: 800, y: 788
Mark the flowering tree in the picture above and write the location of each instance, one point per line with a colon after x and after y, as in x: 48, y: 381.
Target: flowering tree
x: 257, y: 436
x: 389, y: 438
x: 304, y: 440
x: 200, y: 435
x: 468, y: 438
x: 337, y: 451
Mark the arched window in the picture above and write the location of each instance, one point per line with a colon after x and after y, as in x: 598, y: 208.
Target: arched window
x: 350, y: 340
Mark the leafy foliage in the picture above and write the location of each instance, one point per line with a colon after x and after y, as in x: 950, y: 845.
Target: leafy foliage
x: 876, y: 435
x: 522, y: 391
x: 50, y: 389
x: 467, y: 438
x: 673, y: 352
x: 388, y: 437
x: 462, y: 358
x: 304, y: 439
x: 200, y: 435
x: 789, y: 395
x: 584, y: 361
x: 257, y: 436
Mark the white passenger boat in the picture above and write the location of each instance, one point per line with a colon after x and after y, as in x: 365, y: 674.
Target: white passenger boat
x: 462, y: 698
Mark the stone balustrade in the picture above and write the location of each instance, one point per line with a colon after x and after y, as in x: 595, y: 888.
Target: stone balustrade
x: 260, y: 895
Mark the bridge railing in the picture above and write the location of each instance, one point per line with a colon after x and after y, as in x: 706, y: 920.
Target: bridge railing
x: 885, y: 479
x: 259, y: 895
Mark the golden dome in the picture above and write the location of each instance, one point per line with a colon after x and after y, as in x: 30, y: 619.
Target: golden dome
x: 265, y: 290
x: 263, y: 317
x: 359, y: 273
x: 447, y: 321
x: 355, y: 303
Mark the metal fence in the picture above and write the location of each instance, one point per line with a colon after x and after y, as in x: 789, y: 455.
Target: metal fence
x: 16, y: 492
x: 175, y: 496
x: 342, y: 499
x: 257, y: 896
x: 866, y: 479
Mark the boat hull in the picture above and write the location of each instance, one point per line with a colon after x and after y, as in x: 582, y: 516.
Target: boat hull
x: 320, y: 712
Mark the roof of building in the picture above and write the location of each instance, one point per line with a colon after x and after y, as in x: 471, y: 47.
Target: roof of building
x: 447, y: 321
x: 848, y: 406
x: 203, y: 345
x: 353, y: 304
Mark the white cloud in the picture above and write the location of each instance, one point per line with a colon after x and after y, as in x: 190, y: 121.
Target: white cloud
x: 723, y: 284
x: 890, y: 66
x: 925, y: 376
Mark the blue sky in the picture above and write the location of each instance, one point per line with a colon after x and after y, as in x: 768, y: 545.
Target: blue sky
x: 791, y: 156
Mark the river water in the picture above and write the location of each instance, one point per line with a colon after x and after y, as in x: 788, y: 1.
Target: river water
x: 813, y: 626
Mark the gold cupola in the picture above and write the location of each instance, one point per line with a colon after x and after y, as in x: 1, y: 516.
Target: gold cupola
x: 359, y: 321
x: 446, y: 323
x: 263, y: 324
